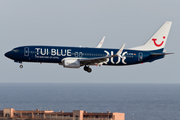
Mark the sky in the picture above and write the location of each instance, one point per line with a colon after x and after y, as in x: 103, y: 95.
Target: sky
x: 84, y: 23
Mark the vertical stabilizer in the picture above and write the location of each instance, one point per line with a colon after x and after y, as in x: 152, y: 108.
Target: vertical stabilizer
x: 158, y: 40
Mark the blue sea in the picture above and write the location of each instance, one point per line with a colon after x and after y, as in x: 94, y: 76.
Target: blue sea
x: 137, y: 101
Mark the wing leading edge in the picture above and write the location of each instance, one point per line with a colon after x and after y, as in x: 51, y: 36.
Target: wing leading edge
x: 100, y: 60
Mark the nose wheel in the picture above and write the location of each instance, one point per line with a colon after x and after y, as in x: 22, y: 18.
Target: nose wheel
x: 87, y: 68
x: 21, y: 66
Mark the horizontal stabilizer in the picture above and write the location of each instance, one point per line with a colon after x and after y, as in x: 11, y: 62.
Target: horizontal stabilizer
x: 159, y: 54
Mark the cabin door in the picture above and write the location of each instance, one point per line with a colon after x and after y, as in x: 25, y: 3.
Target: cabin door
x: 140, y: 56
x: 26, y: 51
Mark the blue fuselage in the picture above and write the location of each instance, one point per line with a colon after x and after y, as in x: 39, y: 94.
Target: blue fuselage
x: 55, y: 54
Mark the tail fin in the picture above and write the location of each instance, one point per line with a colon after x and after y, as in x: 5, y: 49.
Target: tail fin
x: 158, y: 40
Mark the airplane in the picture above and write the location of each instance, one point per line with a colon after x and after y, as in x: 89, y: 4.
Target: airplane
x: 76, y: 57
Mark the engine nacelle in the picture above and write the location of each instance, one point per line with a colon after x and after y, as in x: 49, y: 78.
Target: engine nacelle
x: 71, y: 63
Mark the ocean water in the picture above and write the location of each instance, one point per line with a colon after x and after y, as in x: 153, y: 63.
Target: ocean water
x: 137, y: 101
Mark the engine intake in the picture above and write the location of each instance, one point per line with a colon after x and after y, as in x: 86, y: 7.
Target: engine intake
x: 71, y: 63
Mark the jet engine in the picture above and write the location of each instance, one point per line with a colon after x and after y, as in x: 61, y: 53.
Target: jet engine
x: 71, y: 63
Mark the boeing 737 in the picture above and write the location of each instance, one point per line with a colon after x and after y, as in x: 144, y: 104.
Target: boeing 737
x: 75, y: 57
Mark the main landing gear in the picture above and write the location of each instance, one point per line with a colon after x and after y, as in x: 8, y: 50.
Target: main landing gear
x: 87, y: 68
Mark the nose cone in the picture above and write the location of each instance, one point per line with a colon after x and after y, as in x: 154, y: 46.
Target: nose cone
x: 8, y: 54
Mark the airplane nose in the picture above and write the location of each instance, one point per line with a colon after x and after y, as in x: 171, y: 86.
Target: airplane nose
x: 7, y: 54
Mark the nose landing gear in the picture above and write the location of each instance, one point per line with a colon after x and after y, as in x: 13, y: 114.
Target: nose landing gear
x: 87, y: 68
x: 21, y: 66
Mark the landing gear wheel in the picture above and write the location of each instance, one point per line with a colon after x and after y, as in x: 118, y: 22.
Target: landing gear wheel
x: 21, y: 66
x: 85, y: 68
x: 89, y: 70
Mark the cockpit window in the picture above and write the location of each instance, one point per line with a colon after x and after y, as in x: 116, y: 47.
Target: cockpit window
x: 15, y: 50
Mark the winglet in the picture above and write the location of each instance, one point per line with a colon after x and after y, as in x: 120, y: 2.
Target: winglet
x: 120, y: 50
x: 100, y: 43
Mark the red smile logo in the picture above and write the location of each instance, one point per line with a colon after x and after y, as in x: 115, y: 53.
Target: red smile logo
x: 158, y: 45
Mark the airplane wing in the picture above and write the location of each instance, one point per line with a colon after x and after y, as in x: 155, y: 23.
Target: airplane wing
x: 99, y: 45
x: 98, y: 60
